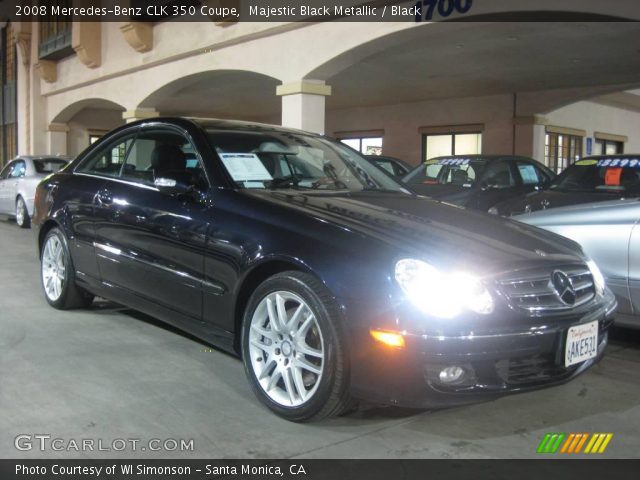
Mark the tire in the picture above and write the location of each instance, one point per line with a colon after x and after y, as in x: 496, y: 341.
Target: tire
x: 57, y: 274
x: 300, y: 372
x: 23, y: 220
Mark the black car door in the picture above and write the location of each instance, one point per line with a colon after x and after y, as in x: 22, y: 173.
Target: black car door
x: 531, y: 177
x: 151, y: 243
x: 499, y: 182
x: 81, y: 189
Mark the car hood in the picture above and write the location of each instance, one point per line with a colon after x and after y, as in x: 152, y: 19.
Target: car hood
x: 535, y: 201
x: 597, y: 213
x: 443, y: 234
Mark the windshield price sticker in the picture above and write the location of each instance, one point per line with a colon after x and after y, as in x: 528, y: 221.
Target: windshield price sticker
x: 454, y: 161
x: 245, y: 167
x: 620, y: 162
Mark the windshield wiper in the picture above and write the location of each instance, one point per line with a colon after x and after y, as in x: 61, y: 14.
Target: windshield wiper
x: 284, y: 182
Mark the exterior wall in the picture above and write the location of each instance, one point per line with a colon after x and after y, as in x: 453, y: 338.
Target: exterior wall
x: 401, y: 123
x: 594, y: 117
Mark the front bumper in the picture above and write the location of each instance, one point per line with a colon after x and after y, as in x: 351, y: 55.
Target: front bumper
x: 497, y: 364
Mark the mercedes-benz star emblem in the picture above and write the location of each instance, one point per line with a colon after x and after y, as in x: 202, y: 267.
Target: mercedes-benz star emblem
x: 561, y: 283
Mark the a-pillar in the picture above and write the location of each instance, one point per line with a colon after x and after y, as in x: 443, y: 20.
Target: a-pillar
x: 57, y: 138
x: 139, y: 114
x: 303, y: 104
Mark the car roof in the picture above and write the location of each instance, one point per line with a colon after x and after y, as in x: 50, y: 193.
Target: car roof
x: 43, y: 157
x: 220, y: 124
x: 605, y: 157
x: 486, y: 157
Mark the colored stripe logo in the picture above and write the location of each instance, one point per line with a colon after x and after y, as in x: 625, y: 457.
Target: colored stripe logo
x: 574, y: 443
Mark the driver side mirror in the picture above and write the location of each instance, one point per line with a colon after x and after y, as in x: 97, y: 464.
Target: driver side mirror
x: 171, y: 186
x: 488, y: 185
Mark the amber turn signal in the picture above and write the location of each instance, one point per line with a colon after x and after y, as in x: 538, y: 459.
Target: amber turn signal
x: 391, y: 339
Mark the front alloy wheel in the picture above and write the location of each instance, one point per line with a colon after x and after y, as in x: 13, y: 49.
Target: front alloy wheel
x: 293, y: 348
x: 286, y: 348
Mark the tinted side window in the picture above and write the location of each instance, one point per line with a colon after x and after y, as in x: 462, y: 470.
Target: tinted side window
x: 19, y: 169
x: 530, y: 174
x: 163, y: 153
x: 108, y: 161
x: 499, y: 175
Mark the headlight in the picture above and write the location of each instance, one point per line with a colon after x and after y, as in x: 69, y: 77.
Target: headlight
x: 441, y: 294
x: 493, y: 211
x: 598, y: 278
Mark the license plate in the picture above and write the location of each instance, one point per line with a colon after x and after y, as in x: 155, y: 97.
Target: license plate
x: 582, y: 343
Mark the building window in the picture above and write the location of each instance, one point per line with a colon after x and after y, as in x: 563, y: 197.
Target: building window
x: 561, y: 150
x: 608, y: 147
x: 446, y: 144
x: 365, y: 145
x: 8, y: 96
x: 55, y: 36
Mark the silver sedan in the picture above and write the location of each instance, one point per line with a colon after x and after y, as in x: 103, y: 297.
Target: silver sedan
x: 18, y: 181
x: 609, y: 233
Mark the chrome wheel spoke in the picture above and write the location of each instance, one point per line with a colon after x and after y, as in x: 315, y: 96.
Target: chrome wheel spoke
x: 308, y: 366
x: 302, y: 331
x: 273, y: 380
x: 288, y: 385
x: 267, y: 370
x: 299, y: 383
x: 282, y: 314
x: 307, y: 350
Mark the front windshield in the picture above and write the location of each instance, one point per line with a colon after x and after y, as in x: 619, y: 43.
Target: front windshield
x: 611, y: 175
x: 271, y: 159
x: 461, y: 172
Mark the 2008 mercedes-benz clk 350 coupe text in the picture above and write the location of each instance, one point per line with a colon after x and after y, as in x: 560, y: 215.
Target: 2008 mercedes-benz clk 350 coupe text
x: 329, y: 279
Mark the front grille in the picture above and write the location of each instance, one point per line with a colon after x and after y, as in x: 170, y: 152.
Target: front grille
x: 533, y: 291
x: 530, y: 370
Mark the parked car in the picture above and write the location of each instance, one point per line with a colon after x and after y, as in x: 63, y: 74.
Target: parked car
x: 394, y: 166
x: 478, y: 181
x: 18, y: 181
x: 593, y: 179
x: 609, y: 232
x: 329, y: 278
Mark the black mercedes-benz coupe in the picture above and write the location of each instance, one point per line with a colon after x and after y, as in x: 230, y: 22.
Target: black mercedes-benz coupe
x: 328, y: 278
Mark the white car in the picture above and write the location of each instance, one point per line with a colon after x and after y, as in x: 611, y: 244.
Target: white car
x: 18, y: 182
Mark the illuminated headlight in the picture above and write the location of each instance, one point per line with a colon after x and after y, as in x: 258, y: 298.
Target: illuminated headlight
x: 598, y: 278
x: 441, y: 294
x: 494, y: 211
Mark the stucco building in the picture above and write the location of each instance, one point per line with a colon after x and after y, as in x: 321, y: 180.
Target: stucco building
x: 551, y: 90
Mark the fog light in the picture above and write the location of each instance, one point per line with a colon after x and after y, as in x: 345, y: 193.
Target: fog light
x: 451, y: 375
x: 391, y: 339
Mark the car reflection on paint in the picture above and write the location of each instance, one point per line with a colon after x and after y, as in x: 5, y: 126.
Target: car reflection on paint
x: 330, y: 279
x: 609, y: 232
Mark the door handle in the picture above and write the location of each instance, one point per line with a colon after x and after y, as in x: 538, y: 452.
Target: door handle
x: 104, y: 197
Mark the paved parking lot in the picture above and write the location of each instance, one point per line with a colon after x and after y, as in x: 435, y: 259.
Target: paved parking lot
x: 110, y: 373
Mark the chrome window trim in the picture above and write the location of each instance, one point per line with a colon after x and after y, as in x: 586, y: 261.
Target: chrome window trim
x: 116, y: 179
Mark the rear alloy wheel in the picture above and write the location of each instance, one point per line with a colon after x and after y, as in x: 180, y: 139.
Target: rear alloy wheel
x: 293, y: 350
x: 22, y: 215
x: 58, y: 275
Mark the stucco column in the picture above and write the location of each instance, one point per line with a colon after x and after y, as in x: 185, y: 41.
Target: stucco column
x: 139, y: 114
x: 529, y: 138
x: 303, y: 104
x: 57, y: 138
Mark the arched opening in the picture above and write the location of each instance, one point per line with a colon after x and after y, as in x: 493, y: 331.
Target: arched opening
x: 84, y: 122
x: 231, y: 94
